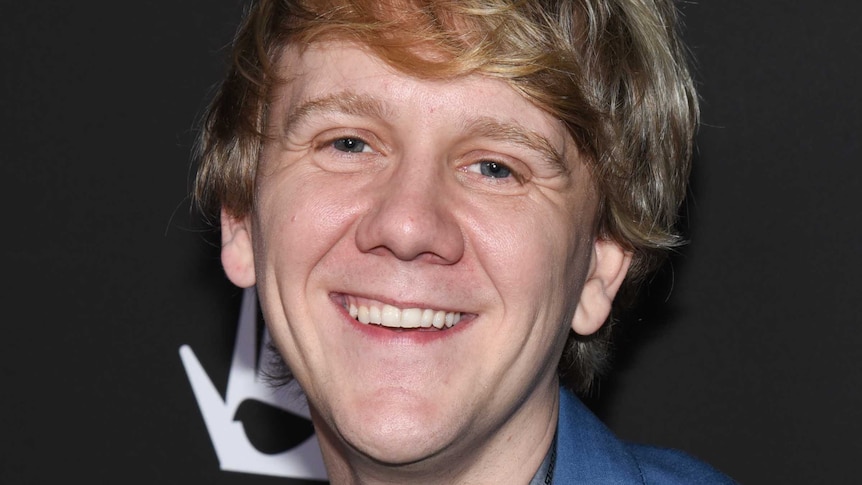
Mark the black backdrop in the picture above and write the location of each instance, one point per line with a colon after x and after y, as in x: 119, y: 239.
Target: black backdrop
x: 751, y: 362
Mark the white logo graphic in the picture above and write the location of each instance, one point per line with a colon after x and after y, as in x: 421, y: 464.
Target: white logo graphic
x: 245, y: 388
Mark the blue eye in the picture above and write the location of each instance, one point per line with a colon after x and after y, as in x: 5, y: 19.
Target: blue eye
x: 494, y: 170
x: 350, y: 145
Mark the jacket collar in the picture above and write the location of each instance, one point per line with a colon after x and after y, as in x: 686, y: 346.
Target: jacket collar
x: 587, y: 451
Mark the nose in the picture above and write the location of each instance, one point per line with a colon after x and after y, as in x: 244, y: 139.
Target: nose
x: 412, y: 216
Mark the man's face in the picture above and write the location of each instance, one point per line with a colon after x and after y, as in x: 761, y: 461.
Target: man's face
x: 419, y: 249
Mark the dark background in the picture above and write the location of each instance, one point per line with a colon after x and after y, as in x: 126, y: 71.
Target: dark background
x: 745, y: 354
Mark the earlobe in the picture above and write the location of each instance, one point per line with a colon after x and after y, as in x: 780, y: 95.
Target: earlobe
x: 608, y: 269
x: 237, y: 255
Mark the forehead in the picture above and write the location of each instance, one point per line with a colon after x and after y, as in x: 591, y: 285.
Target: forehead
x: 327, y: 78
x: 325, y: 69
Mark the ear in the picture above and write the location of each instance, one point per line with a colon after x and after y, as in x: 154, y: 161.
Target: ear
x: 237, y: 255
x: 608, y: 268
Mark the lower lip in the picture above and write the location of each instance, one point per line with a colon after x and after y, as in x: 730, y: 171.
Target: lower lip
x: 404, y: 335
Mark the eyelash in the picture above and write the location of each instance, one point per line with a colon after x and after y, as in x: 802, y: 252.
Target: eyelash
x: 492, y: 166
x: 510, y: 173
x: 348, y: 141
x: 513, y: 171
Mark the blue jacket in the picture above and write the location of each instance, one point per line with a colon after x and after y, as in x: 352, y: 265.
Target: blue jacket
x: 588, y: 452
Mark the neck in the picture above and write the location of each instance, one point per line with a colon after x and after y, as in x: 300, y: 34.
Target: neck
x: 510, y: 453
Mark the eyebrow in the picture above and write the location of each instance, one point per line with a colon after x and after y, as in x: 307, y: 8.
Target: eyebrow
x: 514, y: 133
x: 351, y: 103
x: 343, y: 102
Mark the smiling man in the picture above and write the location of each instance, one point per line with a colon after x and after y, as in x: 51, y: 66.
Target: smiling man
x: 438, y: 202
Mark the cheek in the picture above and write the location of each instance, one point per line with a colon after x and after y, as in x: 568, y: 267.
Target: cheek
x: 301, y: 218
x: 525, y: 253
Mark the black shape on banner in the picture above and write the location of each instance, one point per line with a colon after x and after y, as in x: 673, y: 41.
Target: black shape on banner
x: 272, y: 430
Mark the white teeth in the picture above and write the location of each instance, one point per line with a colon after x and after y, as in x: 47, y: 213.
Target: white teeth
x: 374, y: 315
x: 427, y: 318
x: 393, y: 317
x: 439, y: 319
x: 411, y: 318
x: 450, y: 319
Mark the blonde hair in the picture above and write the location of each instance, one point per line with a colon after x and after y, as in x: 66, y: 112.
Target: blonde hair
x: 613, y: 71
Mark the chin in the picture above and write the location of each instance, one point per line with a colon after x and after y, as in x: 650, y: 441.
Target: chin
x: 395, y: 429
